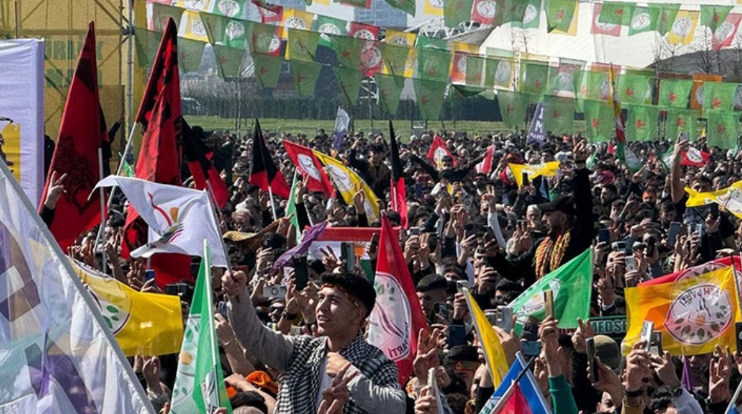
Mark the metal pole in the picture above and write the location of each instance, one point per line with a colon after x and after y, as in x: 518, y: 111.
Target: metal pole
x: 273, y: 203
x: 103, y: 218
x: 130, y: 105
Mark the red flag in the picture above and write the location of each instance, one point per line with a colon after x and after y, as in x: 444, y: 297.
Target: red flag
x: 607, y: 29
x: 726, y: 32
x: 81, y: 134
x: 363, y: 31
x: 202, y: 170
x: 695, y: 271
x: 485, y: 167
x: 269, y: 13
x: 618, y: 116
x: 397, y: 317
x: 483, y: 12
x: 309, y: 166
x: 437, y: 151
x: 263, y: 171
x: 399, y: 192
x: 694, y: 158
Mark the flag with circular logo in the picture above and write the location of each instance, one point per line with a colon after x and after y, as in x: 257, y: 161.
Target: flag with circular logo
x: 643, y: 19
x: 601, y: 27
x: 724, y: 34
x: 683, y: 28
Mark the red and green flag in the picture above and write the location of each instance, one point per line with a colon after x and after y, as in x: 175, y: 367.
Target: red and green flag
x: 390, y: 89
x: 534, y: 77
x: 719, y: 96
x: 349, y: 83
x: 616, y: 12
x: 429, y: 96
x: 641, y: 122
x: 681, y: 120
x: 513, y: 107
x: 559, y: 14
x: 723, y: 129
x: 643, y: 19
x: 599, y: 123
x: 674, y: 93
x: 666, y: 14
x: 559, y: 114
x: 305, y: 76
x: 712, y: 16
x: 264, y: 38
x: 267, y: 69
x: 456, y: 12
x: 634, y: 89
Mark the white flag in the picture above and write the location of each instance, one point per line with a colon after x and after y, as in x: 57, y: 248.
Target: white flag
x: 179, y: 218
x: 342, y: 123
x: 56, y: 354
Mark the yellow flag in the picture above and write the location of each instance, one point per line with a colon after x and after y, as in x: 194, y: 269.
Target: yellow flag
x: 693, y: 313
x: 683, y: 28
x: 572, y: 30
x: 464, y: 47
x: 348, y: 183
x: 322, y: 2
x: 296, y: 19
x: 433, y: 7
x: 143, y: 323
x: 729, y: 198
x: 194, y: 27
x: 548, y: 169
x: 494, y: 354
x: 396, y: 37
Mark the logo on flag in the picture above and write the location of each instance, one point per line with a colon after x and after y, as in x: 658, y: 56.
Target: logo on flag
x: 393, y: 318
x: 699, y: 314
x: 536, y: 303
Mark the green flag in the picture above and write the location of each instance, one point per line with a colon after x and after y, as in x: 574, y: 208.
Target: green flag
x: 267, y: 69
x: 531, y: 16
x: 348, y: 51
x: 570, y: 284
x: 600, y: 123
x: 643, y: 19
x: 559, y: 114
x: 565, y: 78
x: 127, y: 170
x: 596, y: 86
x: 634, y: 89
x: 264, y: 38
x: 224, y: 31
x: 395, y: 57
x: 666, y: 14
x: 723, y: 128
x: 534, y: 77
x: 475, y: 70
x: 719, y: 96
x: 425, y: 42
x: 302, y: 45
x: 559, y: 14
x: 229, y: 61
x: 291, y: 207
x: 230, y: 8
x: 162, y: 13
x: 349, y: 82
x: 190, y: 53
x: 681, y: 120
x: 390, y: 89
x: 408, y: 6
x: 498, y: 73
x: 199, y: 382
x: 513, y: 11
x: 305, y: 76
x: 641, y: 122
x: 330, y: 25
x: 456, y: 11
x: 674, y: 93
x: 616, y: 12
x: 434, y: 65
x: 513, y: 107
x: 429, y: 96
x: 147, y: 42
x: 712, y: 16
x: 461, y: 92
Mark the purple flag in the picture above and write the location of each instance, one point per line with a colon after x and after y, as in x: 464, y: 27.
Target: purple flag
x: 686, y: 380
x: 310, y: 236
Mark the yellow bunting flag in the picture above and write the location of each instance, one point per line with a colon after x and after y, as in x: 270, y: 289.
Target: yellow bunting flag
x: 729, y: 198
x: 434, y: 7
x: 548, y: 169
x: 683, y: 28
x: 494, y: 354
x: 396, y: 37
x: 348, y: 183
x: 143, y: 323
x: 194, y: 27
x: 693, y: 313
x: 296, y: 19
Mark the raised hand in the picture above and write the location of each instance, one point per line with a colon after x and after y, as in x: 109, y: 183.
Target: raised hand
x: 55, y: 190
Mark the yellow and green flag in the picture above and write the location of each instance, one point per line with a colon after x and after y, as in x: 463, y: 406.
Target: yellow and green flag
x: 548, y: 169
x: 494, y: 354
x: 348, y: 183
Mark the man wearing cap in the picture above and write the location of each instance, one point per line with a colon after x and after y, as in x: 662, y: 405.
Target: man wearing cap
x: 570, y: 230
x: 308, y: 364
x: 453, y: 173
x: 374, y: 172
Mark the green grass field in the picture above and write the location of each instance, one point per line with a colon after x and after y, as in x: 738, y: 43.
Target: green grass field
x: 311, y: 126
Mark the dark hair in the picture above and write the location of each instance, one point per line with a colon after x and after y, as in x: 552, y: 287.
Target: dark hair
x: 461, y: 353
x: 357, y: 286
x: 611, y: 187
x: 377, y: 148
x: 507, y: 285
x: 661, y: 399
x: 432, y: 282
x: 249, y: 399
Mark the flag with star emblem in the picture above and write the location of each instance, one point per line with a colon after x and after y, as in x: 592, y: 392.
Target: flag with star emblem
x: 190, y: 53
x: 267, y: 69
x: 348, y: 50
x: 434, y: 65
x: 429, y: 97
x: 559, y: 113
x: 723, y: 128
x: 666, y: 14
x: 712, y: 16
x: 559, y: 14
x: 674, y: 93
x: 229, y: 61
x: 616, y: 12
x: 302, y: 45
x: 681, y: 120
x: 305, y: 76
x: 719, y: 96
x: 599, y: 123
x: 534, y: 77
x: 634, y: 89
x: 456, y: 12
x: 513, y: 107
x: 513, y: 11
x: 598, y: 27
x: 390, y: 89
x: 641, y: 122
x: 395, y: 58
x: 349, y: 83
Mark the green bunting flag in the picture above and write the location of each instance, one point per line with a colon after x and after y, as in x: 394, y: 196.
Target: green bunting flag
x: 600, y: 123
x: 330, y: 25
x: 456, y: 12
x: 224, y: 31
x: 723, y: 129
x: 534, y: 77
x: 228, y: 61
x: 499, y: 73
x: 291, y: 207
x: 513, y: 107
x: 267, y: 69
x: 147, y: 42
x: 348, y: 51
x: 513, y: 11
x: 596, y: 86
x: 302, y: 45
x: 559, y: 14
x: 712, y: 16
x: 429, y: 96
x: 349, y: 82
x: 565, y: 78
x: 559, y: 114
x: 408, y: 6
x: 616, y: 12
x: 719, y: 96
x: 199, y: 381
x: 305, y: 76
x: 531, y: 16
x: 641, y: 122
x: 162, y: 13
x: 571, y: 298
x: 475, y: 70
x: 425, y: 42
x: 666, y: 14
x: 681, y: 120
x: 465, y: 91
x: 395, y: 57
x: 264, y: 38
x: 643, y: 19
x: 190, y: 53
x: 230, y: 8
x: 674, y: 93
x: 634, y: 89
x: 434, y: 65
x: 390, y: 89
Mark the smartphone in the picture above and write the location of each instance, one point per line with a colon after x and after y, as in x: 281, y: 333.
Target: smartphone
x: 699, y: 230
x: 655, y: 345
x: 418, y: 190
x: 274, y: 292
x: 461, y: 285
x: 673, y: 232
x: 714, y: 211
x: 149, y: 274
x: 413, y: 231
x: 456, y: 335
x: 504, y: 318
x: 348, y: 256
x: 530, y: 348
x: 646, y: 334
x: 432, y: 241
x: 604, y: 236
x: 221, y: 307
x: 549, y: 302
x: 470, y: 230
x: 301, y: 272
x: 618, y: 246
x: 374, y: 243
x: 593, y: 373
x: 524, y: 179
x: 630, y: 263
x: 491, y: 315
x: 440, y: 309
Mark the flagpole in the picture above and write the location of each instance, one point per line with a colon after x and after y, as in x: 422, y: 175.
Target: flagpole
x: 734, y: 397
x: 216, y: 223
x: 273, y: 204
x: 102, y: 211
x: 511, y: 388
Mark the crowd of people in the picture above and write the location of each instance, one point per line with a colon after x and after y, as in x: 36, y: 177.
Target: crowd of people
x: 307, y: 352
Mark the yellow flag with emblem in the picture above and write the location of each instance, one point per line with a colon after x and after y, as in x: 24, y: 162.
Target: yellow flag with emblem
x: 548, y: 169
x: 729, y: 198
x: 694, y: 313
x: 348, y: 183
x: 683, y: 28
x: 494, y: 354
x: 143, y: 323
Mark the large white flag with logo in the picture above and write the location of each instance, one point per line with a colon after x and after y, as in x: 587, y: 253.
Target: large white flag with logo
x: 56, y: 356
x: 179, y: 218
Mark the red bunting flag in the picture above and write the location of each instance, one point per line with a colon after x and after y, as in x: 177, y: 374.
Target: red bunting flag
x: 437, y: 151
x: 725, y: 33
x: 309, y: 166
x: 607, y: 29
x: 205, y: 175
x: 485, y: 167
